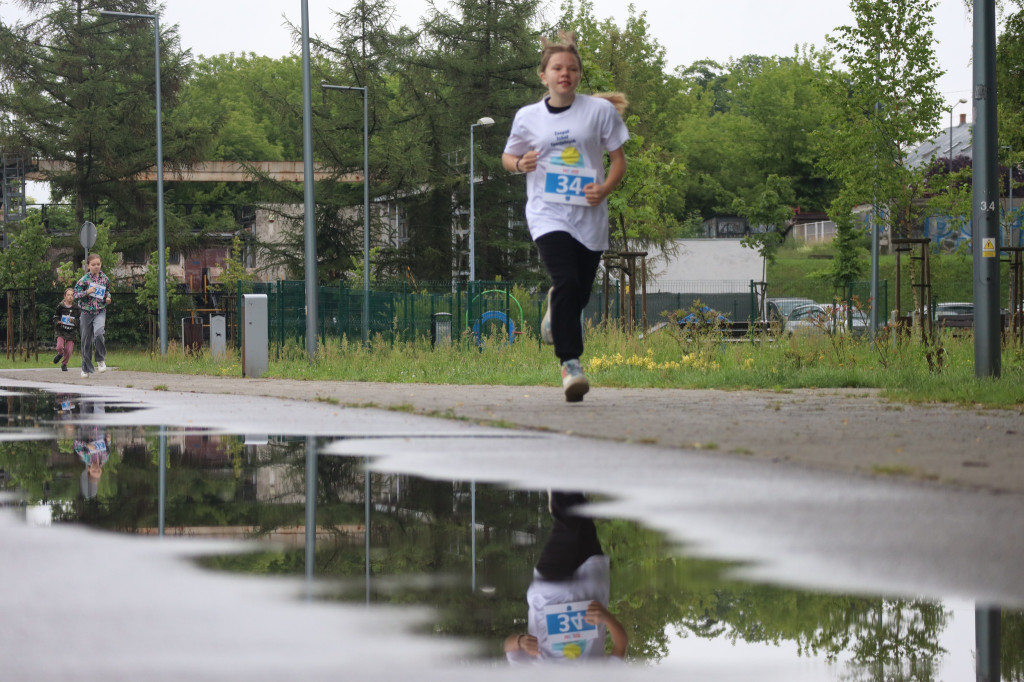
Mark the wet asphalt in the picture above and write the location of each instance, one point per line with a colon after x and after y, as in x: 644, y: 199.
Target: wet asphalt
x: 837, y: 490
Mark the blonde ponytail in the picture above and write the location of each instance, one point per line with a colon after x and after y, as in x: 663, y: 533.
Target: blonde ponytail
x: 616, y: 98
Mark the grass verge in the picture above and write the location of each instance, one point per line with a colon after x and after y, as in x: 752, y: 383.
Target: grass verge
x: 902, y: 370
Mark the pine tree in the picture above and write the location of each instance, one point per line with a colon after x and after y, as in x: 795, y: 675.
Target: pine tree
x: 79, y: 90
x: 481, y: 59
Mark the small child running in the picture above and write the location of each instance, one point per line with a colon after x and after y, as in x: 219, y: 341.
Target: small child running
x: 65, y: 325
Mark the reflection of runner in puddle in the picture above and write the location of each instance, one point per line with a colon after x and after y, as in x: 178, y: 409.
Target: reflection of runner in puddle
x: 92, y: 446
x: 569, y: 618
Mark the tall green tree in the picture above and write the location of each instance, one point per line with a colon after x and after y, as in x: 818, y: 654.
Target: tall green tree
x: 249, y: 108
x: 477, y: 58
x: 627, y: 59
x: 747, y: 120
x: 771, y: 212
x: 365, y: 51
x: 24, y: 264
x: 878, y: 112
x: 79, y: 90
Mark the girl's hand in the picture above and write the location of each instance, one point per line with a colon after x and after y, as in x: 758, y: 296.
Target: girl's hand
x: 596, y: 613
x: 595, y: 193
x: 528, y: 643
x: 528, y: 161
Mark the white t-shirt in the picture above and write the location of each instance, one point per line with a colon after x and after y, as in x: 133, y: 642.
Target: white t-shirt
x: 590, y: 582
x: 571, y: 145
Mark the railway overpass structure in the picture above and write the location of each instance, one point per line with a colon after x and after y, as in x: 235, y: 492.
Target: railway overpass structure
x: 207, y: 171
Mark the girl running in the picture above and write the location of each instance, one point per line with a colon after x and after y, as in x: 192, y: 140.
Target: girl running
x: 560, y: 143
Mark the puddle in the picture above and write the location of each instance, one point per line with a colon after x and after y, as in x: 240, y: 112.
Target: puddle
x: 466, y: 549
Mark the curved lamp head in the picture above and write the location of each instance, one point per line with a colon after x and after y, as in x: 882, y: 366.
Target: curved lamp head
x: 485, y: 121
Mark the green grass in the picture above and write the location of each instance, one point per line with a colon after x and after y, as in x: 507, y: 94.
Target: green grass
x: 902, y: 371
x: 797, y: 267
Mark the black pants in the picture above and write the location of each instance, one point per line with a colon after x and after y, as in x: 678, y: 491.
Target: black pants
x: 573, y: 539
x: 572, y: 268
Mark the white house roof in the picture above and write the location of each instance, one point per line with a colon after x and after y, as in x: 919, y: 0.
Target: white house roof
x: 938, y: 146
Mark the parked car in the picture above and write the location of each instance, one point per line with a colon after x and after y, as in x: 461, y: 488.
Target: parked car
x: 784, y: 306
x: 954, y: 308
x: 819, y: 318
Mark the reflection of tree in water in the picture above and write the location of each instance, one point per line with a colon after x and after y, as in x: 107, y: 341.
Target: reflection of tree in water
x: 653, y: 588
x: 897, y: 640
x: 421, y: 528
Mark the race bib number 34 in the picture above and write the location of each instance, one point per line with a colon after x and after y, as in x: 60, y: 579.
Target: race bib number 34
x: 564, y: 184
x: 565, y: 622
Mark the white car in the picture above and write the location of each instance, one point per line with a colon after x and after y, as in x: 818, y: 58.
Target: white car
x: 818, y: 318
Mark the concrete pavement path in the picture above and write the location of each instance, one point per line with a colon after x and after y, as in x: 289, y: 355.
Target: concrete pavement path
x: 847, y: 430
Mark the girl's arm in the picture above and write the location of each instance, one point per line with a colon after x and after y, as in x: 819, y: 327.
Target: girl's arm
x: 596, y: 193
x: 524, y: 642
x: 597, y: 613
x: 527, y: 163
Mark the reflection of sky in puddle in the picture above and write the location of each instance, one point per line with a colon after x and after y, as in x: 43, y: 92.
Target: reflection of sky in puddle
x: 419, y: 549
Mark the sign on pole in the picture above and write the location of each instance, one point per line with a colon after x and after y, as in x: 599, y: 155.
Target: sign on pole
x: 87, y: 235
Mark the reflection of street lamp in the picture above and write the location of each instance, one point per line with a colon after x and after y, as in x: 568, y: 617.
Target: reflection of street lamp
x: 366, y: 204
x: 161, y: 259
x: 485, y: 121
x: 960, y: 101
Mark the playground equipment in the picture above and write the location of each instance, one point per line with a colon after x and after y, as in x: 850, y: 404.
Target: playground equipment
x: 500, y: 316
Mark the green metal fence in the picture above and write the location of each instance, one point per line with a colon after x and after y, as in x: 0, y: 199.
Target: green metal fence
x: 400, y: 311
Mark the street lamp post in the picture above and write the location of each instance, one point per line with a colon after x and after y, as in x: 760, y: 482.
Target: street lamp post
x: 161, y: 257
x: 366, y: 203
x: 485, y: 122
x: 309, y: 194
x: 960, y: 101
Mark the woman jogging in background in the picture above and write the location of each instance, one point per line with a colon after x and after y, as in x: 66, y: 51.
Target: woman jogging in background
x: 560, y: 143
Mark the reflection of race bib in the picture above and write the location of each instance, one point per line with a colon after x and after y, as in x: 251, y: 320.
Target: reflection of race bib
x: 568, y: 633
x: 100, y: 445
x: 101, y: 291
x: 564, y: 184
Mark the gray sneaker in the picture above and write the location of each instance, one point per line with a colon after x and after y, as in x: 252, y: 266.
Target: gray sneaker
x: 574, y: 383
x: 545, y: 324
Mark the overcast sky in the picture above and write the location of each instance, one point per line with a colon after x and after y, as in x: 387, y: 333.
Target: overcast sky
x: 689, y: 30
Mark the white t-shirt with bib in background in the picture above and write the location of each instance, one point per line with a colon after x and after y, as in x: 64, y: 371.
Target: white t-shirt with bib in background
x: 571, y: 146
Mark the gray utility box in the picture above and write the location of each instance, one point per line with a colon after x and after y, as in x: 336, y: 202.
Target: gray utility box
x: 255, y: 339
